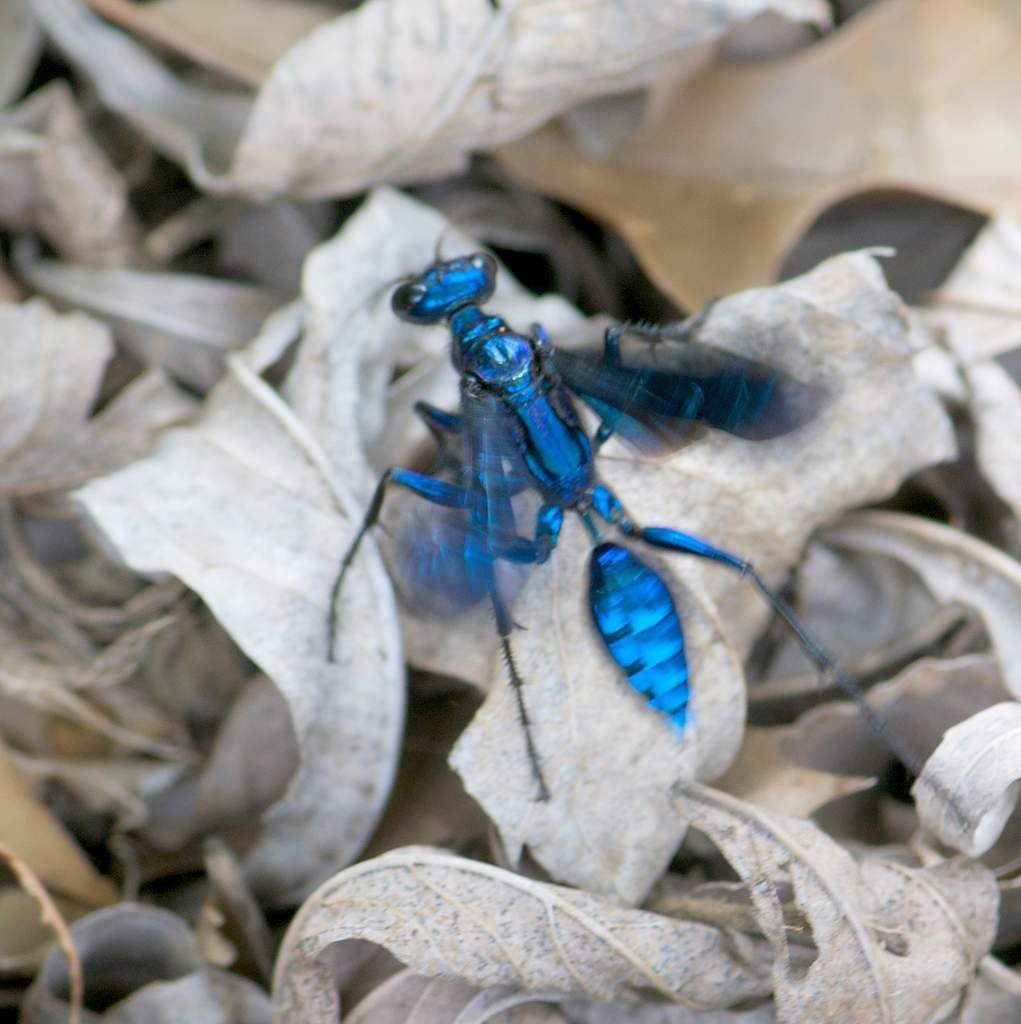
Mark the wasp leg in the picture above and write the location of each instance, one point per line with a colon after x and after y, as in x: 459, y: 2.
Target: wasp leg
x: 436, y: 491
x: 547, y: 532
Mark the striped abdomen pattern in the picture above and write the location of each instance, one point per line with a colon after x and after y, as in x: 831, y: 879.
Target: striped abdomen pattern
x: 636, y: 618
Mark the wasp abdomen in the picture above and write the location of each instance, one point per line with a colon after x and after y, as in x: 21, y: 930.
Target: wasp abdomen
x: 635, y: 615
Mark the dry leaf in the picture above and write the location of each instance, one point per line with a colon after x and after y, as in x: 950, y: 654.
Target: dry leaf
x: 837, y: 327
x: 59, y: 182
x: 460, y: 919
x: 918, y: 706
x: 431, y: 82
x: 995, y: 998
x: 142, y: 966
x: 244, y: 510
x: 254, y: 757
x: 979, y: 305
x: 894, y: 944
x: 50, y: 915
x: 655, y: 1013
x: 53, y: 369
x: 25, y: 938
x: 732, y: 166
x: 409, y: 998
x: 969, y: 786
x: 29, y: 829
x: 954, y: 566
x: 20, y: 45
x: 239, y: 37
x: 184, y: 323
x: 765, y: 774
x: 49, y: 682
x: 978, y: 310
x: 242, y: 915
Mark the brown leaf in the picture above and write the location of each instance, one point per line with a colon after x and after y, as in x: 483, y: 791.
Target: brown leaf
x: 732, y: 166
x: 242, y: 38
x: 460, y: 919
x: 35, y: 835
x: 894, y: 944
x: 53, y: 368
x: 50, y: 915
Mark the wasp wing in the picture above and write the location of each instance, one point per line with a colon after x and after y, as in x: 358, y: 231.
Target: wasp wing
x: 662, y: 390
x: 446, y: 557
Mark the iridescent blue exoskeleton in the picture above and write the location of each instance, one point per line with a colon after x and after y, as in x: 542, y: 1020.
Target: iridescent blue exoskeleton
x: 517, y: 429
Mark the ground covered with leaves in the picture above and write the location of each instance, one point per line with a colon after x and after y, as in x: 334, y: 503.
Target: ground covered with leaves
x: 203, y: 211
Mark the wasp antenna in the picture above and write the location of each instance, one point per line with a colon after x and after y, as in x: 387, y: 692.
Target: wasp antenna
x: 438, y: 251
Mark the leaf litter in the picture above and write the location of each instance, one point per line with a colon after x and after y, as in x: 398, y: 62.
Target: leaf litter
x: 220, y: 385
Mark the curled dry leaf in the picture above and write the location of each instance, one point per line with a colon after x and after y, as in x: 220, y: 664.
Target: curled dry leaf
x: 487, y: 927
x: 52, y: 370
x: 954, y: 566
x: 969, y: 786
x: 59, y: 182
x: 243, y: 508
x: 409, y: 998
x: 184, y: 323
x: 838, y: 328
x: 142, y: 966
x: 894, y: 944
x: 432, y: 82
x: 732, y: 166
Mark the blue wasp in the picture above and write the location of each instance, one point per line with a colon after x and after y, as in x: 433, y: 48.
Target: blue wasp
x: 518, y: 430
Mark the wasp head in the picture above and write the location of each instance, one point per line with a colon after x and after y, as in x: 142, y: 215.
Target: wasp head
x: 445, y: 287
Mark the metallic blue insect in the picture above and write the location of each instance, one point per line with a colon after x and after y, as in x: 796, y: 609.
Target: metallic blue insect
x: 517, y: 430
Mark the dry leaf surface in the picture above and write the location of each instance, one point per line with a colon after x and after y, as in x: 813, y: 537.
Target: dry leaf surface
x: 59, y: 182
x: 955, y: 567
x: 732, y: 166
x: 431, y: 82
x: 53, y: 367
x: 236, y: 507
x: 455, y: 918
x: 893, y: 943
